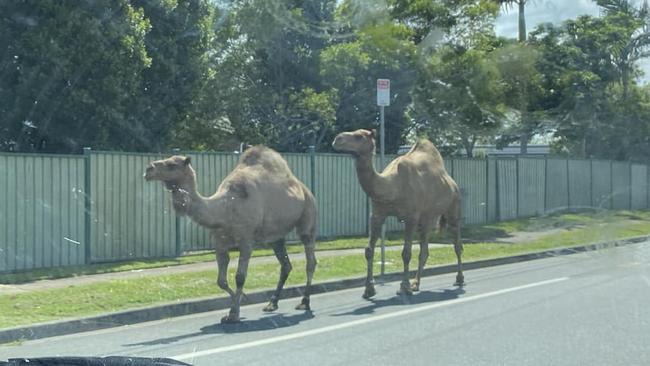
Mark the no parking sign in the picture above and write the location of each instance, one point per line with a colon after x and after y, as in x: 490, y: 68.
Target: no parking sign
x: 383, y: 92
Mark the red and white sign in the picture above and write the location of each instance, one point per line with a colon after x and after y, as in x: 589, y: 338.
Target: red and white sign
x: 383, y: 92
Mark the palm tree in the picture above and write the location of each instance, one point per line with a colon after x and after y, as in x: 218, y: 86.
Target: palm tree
x: 521, y: 4
x: 637, y: 46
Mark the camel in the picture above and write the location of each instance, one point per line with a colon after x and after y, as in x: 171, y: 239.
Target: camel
x: 414, y: 187
x: 259, y: 201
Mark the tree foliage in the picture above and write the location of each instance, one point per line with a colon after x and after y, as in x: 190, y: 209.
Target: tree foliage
x: 150, y: 75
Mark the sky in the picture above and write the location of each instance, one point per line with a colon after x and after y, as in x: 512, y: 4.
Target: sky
x: 554, y: 11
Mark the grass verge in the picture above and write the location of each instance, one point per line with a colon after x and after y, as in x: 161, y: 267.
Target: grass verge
x: 115, y: 295
x: 472, y: 233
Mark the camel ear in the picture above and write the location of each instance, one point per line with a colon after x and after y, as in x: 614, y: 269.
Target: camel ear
x: 187, y: 161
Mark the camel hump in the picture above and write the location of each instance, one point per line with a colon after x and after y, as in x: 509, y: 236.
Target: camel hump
x: 263, y: 156
x: 426, y: 146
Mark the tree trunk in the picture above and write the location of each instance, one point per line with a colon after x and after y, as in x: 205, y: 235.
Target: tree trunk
x: 625, y: 79
x: 523, y: 143
x: 469, y: 144
x: 522, y: 20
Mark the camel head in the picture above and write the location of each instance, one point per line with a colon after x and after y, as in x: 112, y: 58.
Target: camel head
x: 172, y: 171
x: 359, y: 142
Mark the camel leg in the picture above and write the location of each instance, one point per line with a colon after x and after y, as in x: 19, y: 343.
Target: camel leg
x: 375, y: 231
x: 240, y: 279
x: 223, y: 258
x: 405, y: 286
x: 454, y: 224
x: 424, y: 255
x: 310, y: 248
x: 280, y: 251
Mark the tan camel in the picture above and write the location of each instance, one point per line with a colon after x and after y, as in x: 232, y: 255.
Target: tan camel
x: 414, y: 187
x: 259, y: 201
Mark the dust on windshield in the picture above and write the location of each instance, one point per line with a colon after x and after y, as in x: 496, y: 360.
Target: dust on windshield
x: 160, y: 158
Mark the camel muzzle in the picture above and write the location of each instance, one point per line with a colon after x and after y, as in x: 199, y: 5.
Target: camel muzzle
x: 147, y: 173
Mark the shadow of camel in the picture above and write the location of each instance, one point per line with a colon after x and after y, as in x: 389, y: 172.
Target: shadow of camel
x: 417, y: 298
x: 268, y: 322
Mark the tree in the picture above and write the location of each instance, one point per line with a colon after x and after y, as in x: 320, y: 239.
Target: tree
x: 458, y: 97
x: 629, y: 28
x: 524, y: 93
x: 351, y: 68
x: 594, y: 116
x: 69, y: 72
x: 269, y: 83
x: 521, y: 7
x: 174, y: 98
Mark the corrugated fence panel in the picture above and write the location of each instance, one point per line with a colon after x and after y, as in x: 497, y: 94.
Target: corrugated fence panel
x: 341, y: 201
x: 639, y: 186
x: 41, y: 216
x: 131, y: 218
x: 557, y: 192
x: 531, y: 186
x: 580, y: 184
x: 491, y: 186
x: 211, y: 169
x: 471, y: 175
x: 621, y: 185
x: 507, y: 182
x: 601, y: 183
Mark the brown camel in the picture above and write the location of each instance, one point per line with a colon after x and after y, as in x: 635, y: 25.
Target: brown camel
x: 414, y: 187
x: 259, y: 201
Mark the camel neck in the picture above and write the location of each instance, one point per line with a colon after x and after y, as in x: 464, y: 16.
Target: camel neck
x: 371, y: 181
x: 187, y: 200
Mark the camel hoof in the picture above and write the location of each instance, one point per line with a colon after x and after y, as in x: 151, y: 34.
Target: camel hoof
x: 271, y: 306
x: 405, y: 289
x: 460, y: 280
x: 230, y: 319
x: 369, y: 292
x: 415, y: 287
x: 304, y: 305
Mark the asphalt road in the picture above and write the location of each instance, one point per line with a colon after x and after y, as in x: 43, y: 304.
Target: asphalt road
x: 584, y: 309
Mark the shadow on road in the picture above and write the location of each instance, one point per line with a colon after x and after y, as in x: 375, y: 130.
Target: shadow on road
x: 266, y: 322
x: 417, y: 298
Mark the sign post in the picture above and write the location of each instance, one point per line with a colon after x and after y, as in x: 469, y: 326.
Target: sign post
x: 383, y: 100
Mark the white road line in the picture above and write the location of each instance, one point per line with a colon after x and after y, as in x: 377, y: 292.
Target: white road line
x: 261, y: 342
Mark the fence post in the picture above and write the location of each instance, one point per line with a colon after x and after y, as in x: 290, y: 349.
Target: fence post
x: 177, y: 222
x: 487, y: 189
x: 87, y: 207
x: 568, y: 187
x: 630, y: 189
x: 496, y: 193
x: 591, y: 182
x: 312, y: 168
x: 545, y: 183
x: 611, y: 184
x: 517, y: 186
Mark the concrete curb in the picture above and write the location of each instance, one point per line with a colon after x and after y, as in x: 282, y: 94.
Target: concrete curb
x: 157, y: 312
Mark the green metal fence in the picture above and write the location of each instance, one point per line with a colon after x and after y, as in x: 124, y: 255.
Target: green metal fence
x: 58, y: 210
x: 41, y: 211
